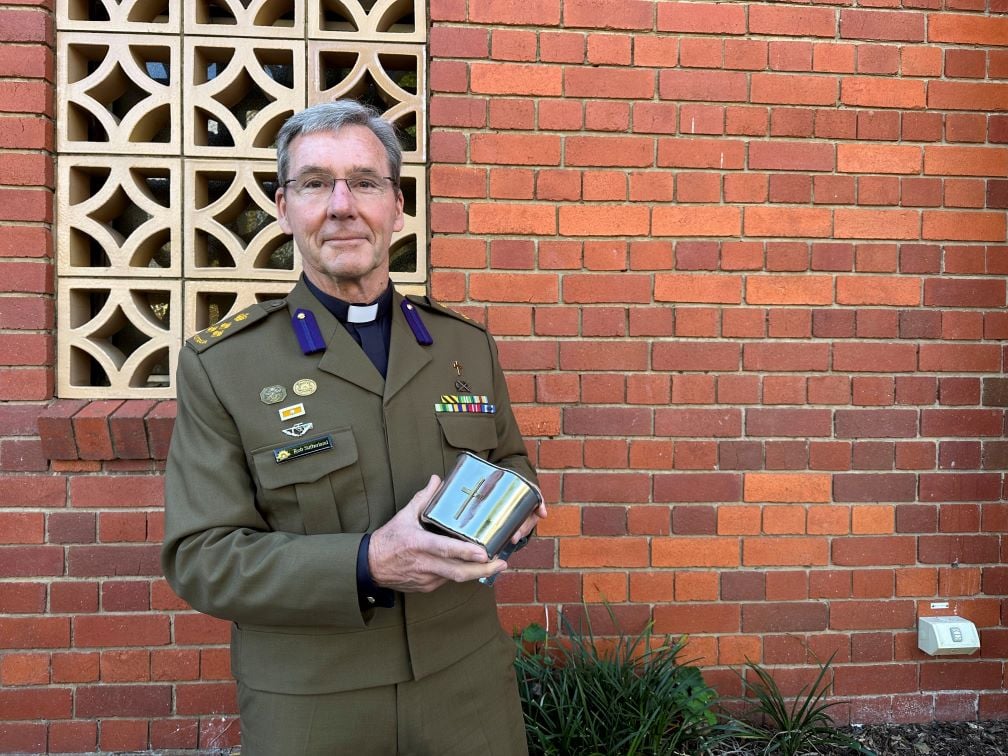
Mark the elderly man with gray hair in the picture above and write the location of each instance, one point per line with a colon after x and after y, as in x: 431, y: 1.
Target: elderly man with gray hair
x: 311, y: 433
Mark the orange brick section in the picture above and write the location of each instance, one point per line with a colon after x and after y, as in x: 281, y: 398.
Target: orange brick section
x: 746, y: 266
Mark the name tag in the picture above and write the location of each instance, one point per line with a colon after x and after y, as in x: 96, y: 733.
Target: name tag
x: 302, y: 449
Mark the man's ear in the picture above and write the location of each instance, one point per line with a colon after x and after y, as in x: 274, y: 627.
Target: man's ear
x: 281, y: 205
x: 400, y: 220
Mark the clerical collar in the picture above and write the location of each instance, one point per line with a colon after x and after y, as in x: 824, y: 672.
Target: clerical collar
x: 346, y: 312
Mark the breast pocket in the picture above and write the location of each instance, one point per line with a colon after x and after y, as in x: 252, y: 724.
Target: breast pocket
x: 464, y: 431
x: 326, y: 481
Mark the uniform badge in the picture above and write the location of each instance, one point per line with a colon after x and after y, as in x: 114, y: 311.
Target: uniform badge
x: 305, y: 387
x: 289, y: 413
x: 272, y: 394
x: 460, y: 382
x: 299, y: 429
x: 302, y: 449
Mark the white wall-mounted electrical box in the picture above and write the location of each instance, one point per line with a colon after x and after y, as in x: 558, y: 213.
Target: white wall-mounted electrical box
x: 944, y: 636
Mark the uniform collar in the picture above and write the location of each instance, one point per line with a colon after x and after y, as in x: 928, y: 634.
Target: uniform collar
x: 345, y: 312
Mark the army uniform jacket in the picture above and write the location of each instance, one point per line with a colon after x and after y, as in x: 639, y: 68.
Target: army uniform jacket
x: 271, y: 545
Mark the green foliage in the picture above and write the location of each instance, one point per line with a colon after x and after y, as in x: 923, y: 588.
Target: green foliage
x: 803, y: 726
x: 636, y: 699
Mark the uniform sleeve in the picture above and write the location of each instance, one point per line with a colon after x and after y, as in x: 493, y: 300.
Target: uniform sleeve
x: 218, y: 553
x: 510, y: 452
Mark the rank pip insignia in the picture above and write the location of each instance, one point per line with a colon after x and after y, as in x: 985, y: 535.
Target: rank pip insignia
x: 298, y: 429
x: 272, y: 394
x: 460, y: 382
x: 289, y: 413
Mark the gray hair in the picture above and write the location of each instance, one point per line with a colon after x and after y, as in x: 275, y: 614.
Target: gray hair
x: 332, y: 116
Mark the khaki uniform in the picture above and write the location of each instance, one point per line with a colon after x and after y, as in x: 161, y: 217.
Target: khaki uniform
x: 272, y: 545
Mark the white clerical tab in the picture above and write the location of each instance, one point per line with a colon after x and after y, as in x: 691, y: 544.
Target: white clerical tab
x: 362, y: 313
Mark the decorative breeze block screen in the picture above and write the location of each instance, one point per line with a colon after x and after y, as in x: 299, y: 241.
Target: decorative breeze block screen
x: 166, y: 130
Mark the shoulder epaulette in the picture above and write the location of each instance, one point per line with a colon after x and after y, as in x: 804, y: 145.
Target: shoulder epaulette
x: 230, y: 326
x: 429, y: 304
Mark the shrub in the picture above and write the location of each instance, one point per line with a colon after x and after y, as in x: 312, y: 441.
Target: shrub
x: 803, y: 726
x: 634, y: 699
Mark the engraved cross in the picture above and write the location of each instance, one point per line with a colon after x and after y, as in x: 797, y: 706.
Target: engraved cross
x: 473, y: 494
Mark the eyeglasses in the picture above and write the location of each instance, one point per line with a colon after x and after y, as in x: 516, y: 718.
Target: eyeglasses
x: 316, y: 186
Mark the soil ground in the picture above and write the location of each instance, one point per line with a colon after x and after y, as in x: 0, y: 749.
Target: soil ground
x: 931, y: 739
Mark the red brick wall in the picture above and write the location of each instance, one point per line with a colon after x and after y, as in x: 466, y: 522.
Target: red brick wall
x: 747, y: 266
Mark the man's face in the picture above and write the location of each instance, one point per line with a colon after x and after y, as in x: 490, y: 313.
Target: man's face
x: 343, y: 239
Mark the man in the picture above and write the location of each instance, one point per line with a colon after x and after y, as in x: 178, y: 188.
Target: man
x: 308, y: 441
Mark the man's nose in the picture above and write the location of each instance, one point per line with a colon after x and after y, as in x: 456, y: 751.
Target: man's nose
x: 341, y: 199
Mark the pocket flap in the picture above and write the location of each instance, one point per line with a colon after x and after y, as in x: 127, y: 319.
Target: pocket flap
x: 341, y: 452
x: 465, y: 430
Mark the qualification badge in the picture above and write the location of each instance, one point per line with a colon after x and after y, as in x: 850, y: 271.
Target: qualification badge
x: 305, y: 387
x: 272, y: 394
x: 289, y: 413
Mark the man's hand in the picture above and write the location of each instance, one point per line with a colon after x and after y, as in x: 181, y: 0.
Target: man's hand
x: 530, y: 523
x: 405, y: 557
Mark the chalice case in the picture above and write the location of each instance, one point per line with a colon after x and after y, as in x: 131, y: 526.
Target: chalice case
x: 482, y: 503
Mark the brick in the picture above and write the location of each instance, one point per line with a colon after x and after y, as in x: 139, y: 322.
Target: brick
x: 944, y: 160
x: 510, y: 12
x: 959, y: 358
x: 784, y: 550
x: 780, y: 488
x: 56, y: 428
x: 682, y: 551
x: 702, y: 85
x: 603, y: 220
x: 789, y: 290
x: 873, y: 519
x: 117, y: 491
x: 964, y: 292
x: 741, y: 520
x: 799, y: 221
x: 32, y: 25
x: 780, y: 617
x: 876, y: 224
x: 963, y: 549
x: 35, y: 703
x: 962, y: 28
x: 860, y: 551
x: 697, y: 487
x: 99, y: 631
x: 875, y: 679
x: 980, y: 97
x: 701, y: 288
x: 516, y: 149
x: 108, y: 560
x: 702, y: 18
x: 960, y: 675
x: 588, y: 355
x: 871, y: 158
x: 698, y: 152
x: 883, y: 357
x: 960, y: 486
x: 123, y: 700
x: 791, y: 156
x: 785, y: 357
x: 875, y: 423
x: 962, y: 422
x: 887, y: 26
x: 603, y: 552
x: 874, y: 487
x: 516, y: 79
x: 686, y: 221
x: 697, y: 618
x: 627, y: 83
x: 872, y: 615
x: 511, y: 218
x: 876, y: 92
x: 792, y: 21
x: 793, y: 89
x: 715, y: 423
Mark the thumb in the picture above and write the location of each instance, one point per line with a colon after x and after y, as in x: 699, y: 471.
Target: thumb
x: 421, y: 497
